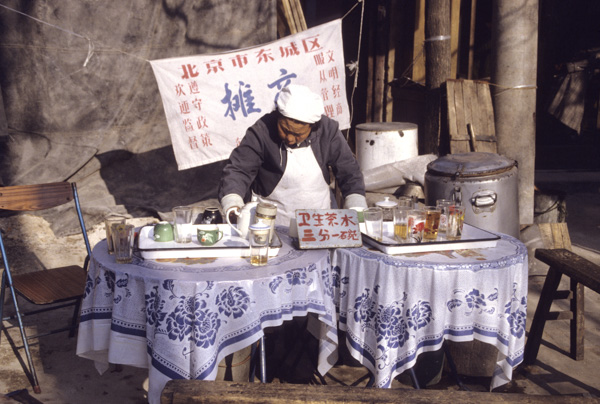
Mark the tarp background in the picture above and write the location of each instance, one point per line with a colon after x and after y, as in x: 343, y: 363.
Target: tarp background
x: 103, y: 125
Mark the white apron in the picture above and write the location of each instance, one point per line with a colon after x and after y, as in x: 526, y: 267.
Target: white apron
x: 302, y: 186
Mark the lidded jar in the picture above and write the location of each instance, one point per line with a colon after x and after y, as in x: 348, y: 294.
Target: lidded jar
x: 387, y: 206
x: 267, y: 212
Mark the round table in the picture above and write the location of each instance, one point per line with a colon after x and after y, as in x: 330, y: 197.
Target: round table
x: 394, y: 307
x: 179, y: 318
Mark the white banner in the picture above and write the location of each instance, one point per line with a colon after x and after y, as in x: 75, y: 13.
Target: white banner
x: 210, y: 100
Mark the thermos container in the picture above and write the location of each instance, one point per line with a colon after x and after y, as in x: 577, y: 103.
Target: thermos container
x: 485, y: 183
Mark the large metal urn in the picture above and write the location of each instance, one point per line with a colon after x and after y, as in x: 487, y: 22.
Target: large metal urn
x: 485, y: 183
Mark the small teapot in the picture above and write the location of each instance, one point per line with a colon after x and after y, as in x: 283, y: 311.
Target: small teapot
x: 245, y: 218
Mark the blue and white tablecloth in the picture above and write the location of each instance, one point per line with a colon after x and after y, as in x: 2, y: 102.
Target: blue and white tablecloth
x: 395, y: 307
x: 179, y: 318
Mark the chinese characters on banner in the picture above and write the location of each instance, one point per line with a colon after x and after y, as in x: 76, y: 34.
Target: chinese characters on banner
x: 210, y: 100
x: 328, y: 228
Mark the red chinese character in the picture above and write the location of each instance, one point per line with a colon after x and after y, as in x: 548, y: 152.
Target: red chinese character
x: 193, y: 142
x: 337, y: 91
x: 308, y: 235
x: 333, y: 73
x: 201, y: 122
x: 324, y: 234
x: 347, y: 221
x: 305, y: 218
x: 318, y: 218
x: 179, y: 89
x: 325, y: 94
x: 322, y: 76
x: 264, y: 55
x: 290, y: 50
x: 197, y: 103
x: 329, y: 111
x: 239, y: 61
x: 311, y: 44
x: 319, y: 59
x: 352, y: 235
x: 331, y: 217
x: 187, y: 124
x: 330, y: 54
x: 189, y: 71
x: 184, y: 107
x: 205, y: 140
x: 214, y: 66
x: 339, y: 109
x: 194, y: 89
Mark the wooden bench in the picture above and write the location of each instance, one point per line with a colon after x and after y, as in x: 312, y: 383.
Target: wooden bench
x: 581, y: 271
x: 197, y: 391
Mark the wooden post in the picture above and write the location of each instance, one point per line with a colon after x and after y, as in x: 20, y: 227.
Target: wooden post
x: 437, y: 68
x: 514, y: 73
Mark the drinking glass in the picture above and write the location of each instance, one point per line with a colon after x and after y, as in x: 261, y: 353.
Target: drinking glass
x: 456, y: 219
x: 183, y: 224
x: 259, y: 243
x: 108, y: 222
x: 122, y: 236
x: 374, y: 223
x: 406, y: 201
x: 416, y: 224
x: 401, y: 224
x: 432, y: 222
x: 443, y: 205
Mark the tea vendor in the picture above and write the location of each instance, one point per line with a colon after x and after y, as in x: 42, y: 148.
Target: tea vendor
x: 285, y: 157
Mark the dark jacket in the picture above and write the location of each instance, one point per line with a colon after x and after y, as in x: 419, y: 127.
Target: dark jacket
x: 259, y: 162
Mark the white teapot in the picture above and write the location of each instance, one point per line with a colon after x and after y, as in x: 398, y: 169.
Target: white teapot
x: 245, y: 218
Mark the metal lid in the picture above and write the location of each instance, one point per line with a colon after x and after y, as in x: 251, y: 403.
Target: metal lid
x: 266, y: 209
x: 386, y: 203
x: 470, y: 164
x: 260, y: 226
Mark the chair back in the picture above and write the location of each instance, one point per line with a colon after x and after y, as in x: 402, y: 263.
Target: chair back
x: 25, y: 198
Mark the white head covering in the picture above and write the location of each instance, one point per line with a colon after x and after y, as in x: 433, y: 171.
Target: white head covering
x: 299, y: 102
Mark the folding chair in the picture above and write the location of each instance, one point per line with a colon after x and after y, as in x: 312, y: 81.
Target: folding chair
x: 51, y: 288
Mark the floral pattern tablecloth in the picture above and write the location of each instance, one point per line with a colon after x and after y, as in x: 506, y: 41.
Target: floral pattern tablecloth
x: 395, y: 307
x: 179, y: 318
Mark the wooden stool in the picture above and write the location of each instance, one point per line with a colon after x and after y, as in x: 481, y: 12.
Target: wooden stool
x: 583, y: 273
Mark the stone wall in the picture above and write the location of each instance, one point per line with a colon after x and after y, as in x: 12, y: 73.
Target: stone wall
x: 101, y: 123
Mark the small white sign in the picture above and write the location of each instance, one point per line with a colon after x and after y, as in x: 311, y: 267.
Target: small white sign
x: 328, y: 228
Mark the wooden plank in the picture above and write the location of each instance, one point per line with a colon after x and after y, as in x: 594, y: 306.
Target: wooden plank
x: 199, y: 391
x: 480, y: 109
x: 35, y: 197
x: 469, y: 99
x: 485, y: 101
x: 461, y: 124
x: 555, y: 235
x: 451, y: 107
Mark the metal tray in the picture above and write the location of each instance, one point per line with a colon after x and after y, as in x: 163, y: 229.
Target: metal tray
x: 229, y: 246
x: 473, y: 237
